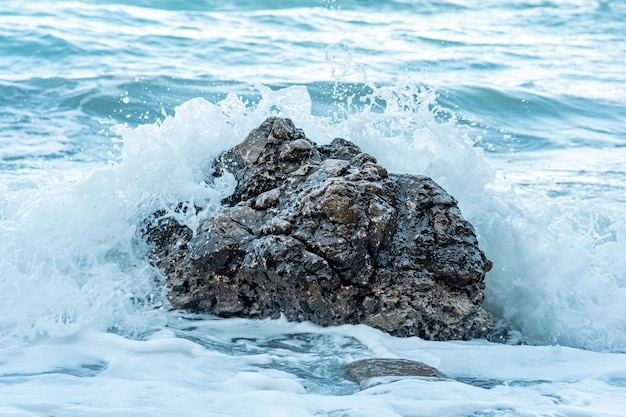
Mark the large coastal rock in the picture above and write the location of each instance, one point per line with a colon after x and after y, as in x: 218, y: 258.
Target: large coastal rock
x: 324, y: 233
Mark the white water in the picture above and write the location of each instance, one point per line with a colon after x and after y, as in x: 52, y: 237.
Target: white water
x: 274, y: 368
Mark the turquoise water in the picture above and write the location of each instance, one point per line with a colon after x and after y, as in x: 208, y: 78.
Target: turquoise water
x: 112, y: 109
x: 549, y: 74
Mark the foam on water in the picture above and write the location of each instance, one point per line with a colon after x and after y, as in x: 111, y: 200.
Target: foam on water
x: 239, y: 367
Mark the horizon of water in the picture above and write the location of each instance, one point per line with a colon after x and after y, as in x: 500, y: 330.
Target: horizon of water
x: 112, y: 109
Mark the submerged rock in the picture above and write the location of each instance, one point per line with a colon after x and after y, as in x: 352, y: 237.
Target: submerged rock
x: 326, y: 234
x: 365, y: 370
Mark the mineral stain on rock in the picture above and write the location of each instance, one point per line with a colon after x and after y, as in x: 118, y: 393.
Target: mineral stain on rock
x: 326, y: 234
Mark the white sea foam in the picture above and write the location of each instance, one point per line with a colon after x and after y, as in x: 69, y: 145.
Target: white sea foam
x: 273, y: 366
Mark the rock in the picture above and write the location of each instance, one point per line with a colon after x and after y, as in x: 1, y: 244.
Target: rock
x: 326, y: 234
x: 363, y: 371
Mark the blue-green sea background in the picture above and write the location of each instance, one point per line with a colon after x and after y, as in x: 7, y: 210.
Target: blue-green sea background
x: 112, y: 109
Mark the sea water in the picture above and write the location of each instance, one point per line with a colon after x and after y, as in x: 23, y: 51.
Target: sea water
x: 112, y: 109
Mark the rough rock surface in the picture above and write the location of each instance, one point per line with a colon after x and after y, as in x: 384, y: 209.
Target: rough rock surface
x: 324, y: 233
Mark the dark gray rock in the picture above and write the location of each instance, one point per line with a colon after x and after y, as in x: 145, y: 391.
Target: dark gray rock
x: 324, y: 233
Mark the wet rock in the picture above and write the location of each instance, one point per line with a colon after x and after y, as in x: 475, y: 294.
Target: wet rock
x: 326, y: 234
x: 364, y: 371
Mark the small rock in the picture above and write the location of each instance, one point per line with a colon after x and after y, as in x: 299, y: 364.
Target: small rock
x: 362, y: 371
x: 279, y: 227
x: 267, y: 199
